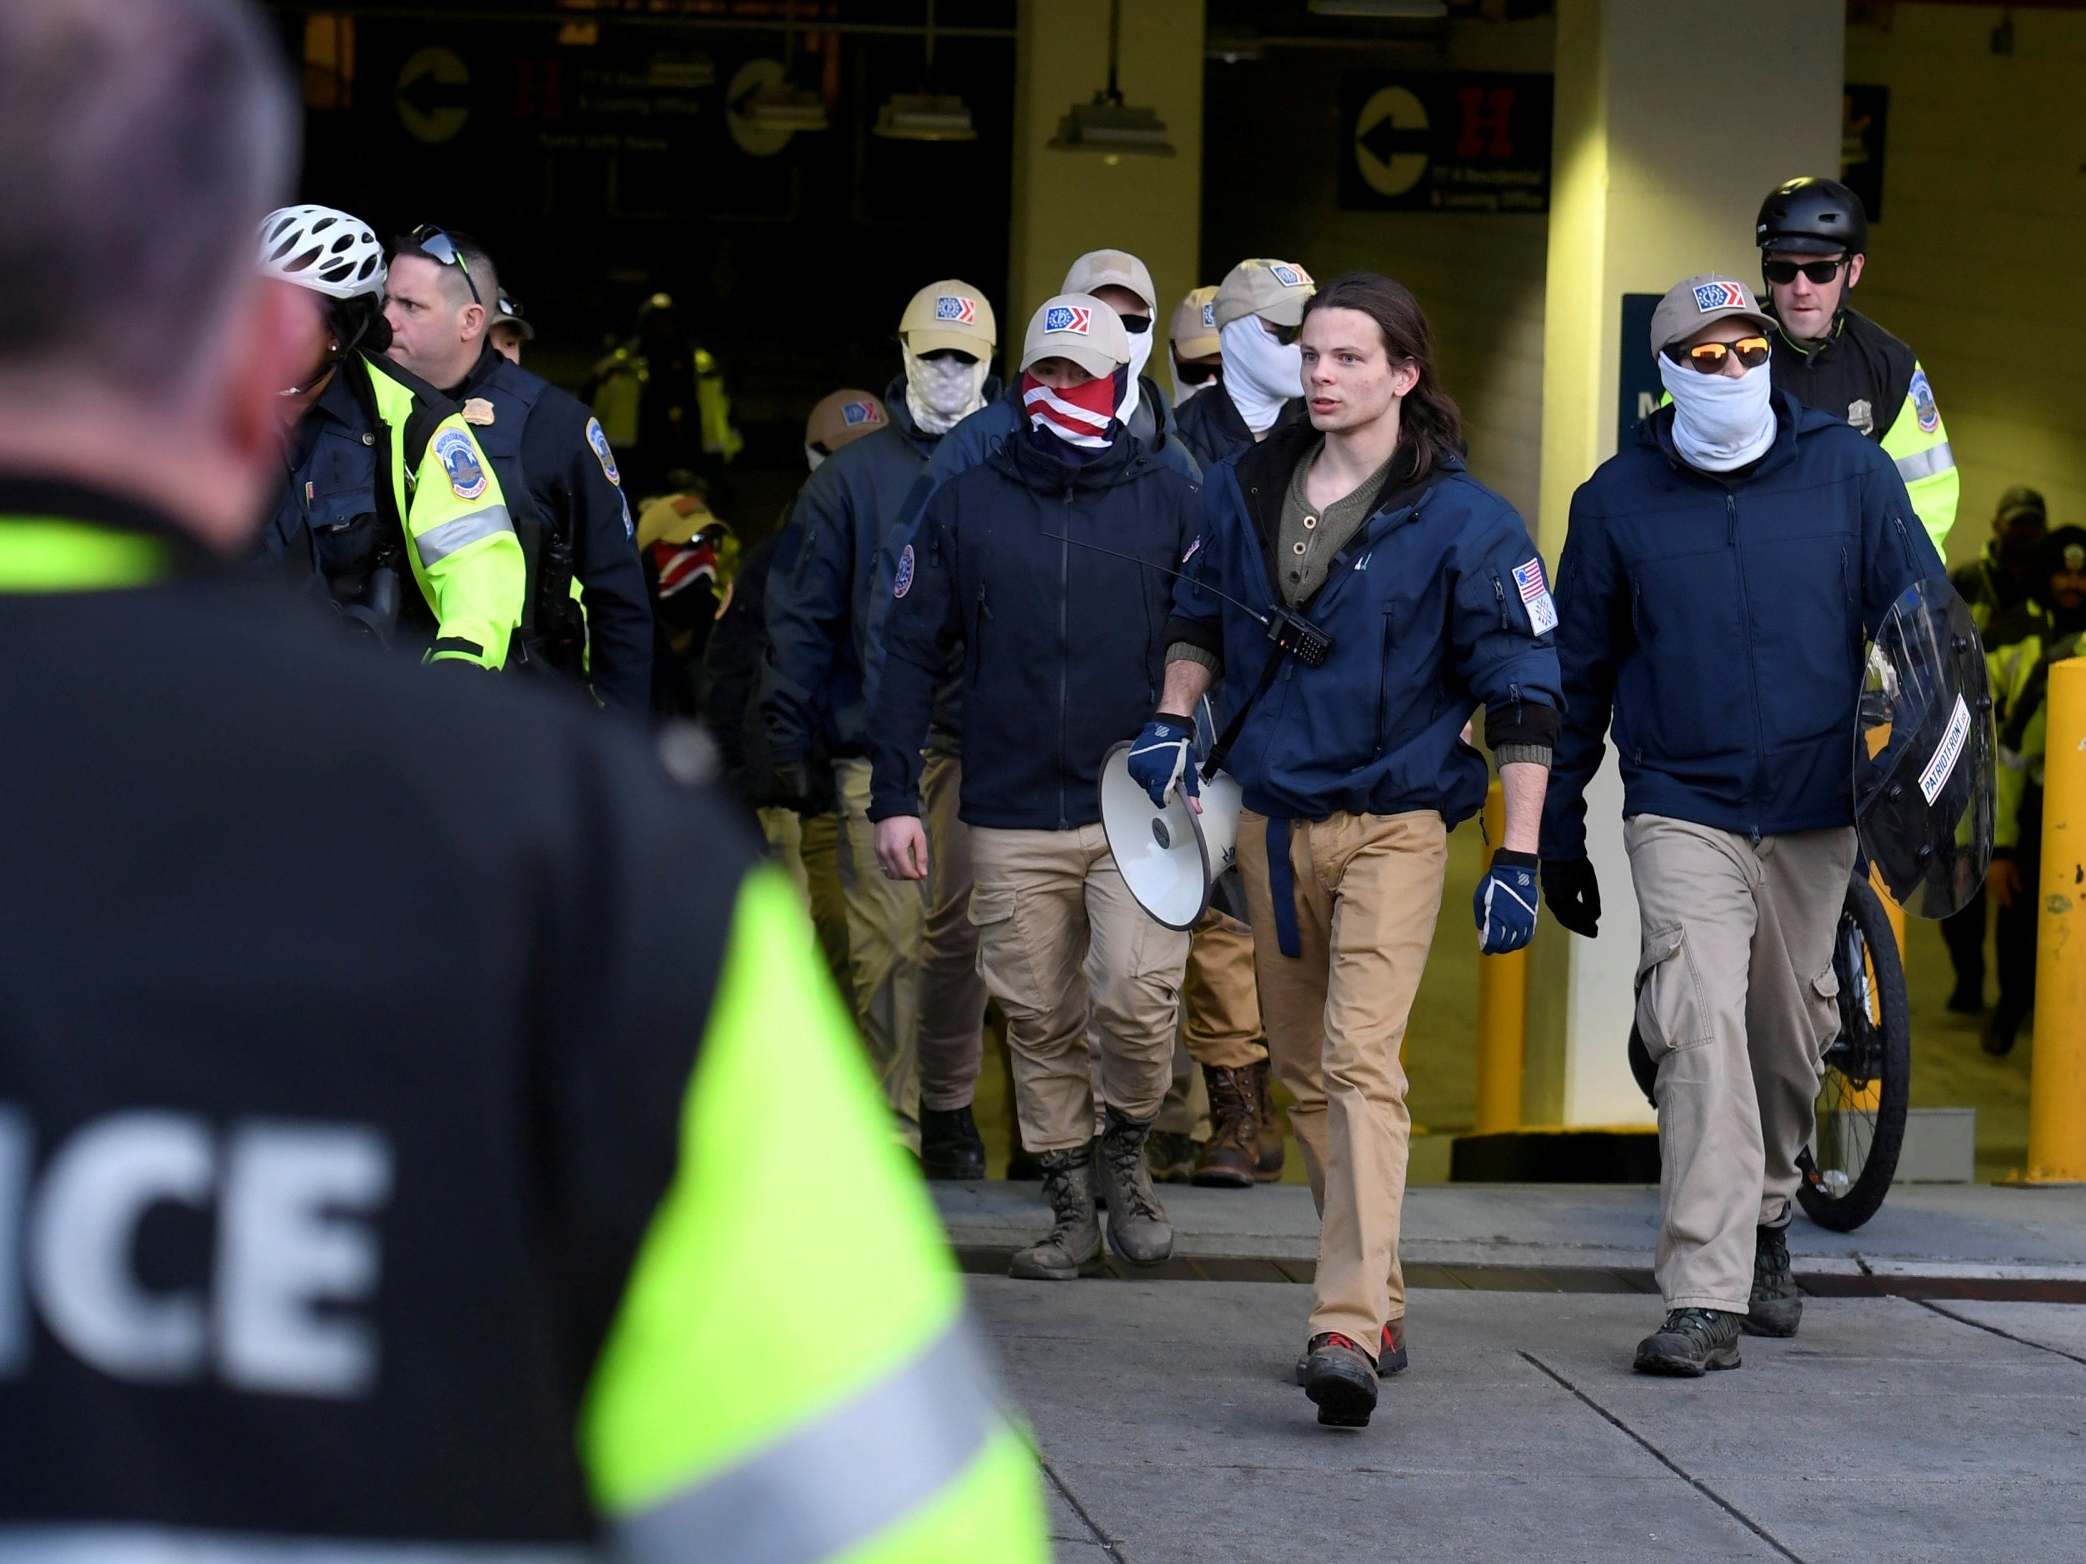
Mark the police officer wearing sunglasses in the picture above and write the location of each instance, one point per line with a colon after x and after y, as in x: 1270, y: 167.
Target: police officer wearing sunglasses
x: 1812, y: 235
x: 554, y: 464
x: 1720, y: 576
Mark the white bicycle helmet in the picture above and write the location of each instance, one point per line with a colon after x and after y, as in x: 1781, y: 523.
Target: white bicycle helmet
x: 322, y: 249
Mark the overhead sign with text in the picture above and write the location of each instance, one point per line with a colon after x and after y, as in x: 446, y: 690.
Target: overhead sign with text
x: 1452, y: 142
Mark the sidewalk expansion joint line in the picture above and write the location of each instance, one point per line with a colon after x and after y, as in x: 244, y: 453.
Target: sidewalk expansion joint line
x: 1107, y: 1544
x: 1670, y: 1464
x: 1960, y: 1319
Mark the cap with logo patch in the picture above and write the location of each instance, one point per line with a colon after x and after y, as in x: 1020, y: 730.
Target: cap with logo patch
x: 1195, y: 325
x: 1276, y: 291
x: 843, y: 417
x: 1700, y: 301
x: 1098, y: 269
x: 949, y: 314
x: 1079, y: 327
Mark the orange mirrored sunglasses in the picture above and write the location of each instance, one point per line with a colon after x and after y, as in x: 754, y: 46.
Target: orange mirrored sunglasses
x: 1707, y: 358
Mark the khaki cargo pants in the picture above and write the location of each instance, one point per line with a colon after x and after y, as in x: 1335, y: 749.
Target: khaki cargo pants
x: 1367, y: 891
x: 1737, y: 1001
x: 1220, y: 1019
x: 952, y: 994
x: 808, y: 848
x: 1062, y: 943
x: 884, y: 922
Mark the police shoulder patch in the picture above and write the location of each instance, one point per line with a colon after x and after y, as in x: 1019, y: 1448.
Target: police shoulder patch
x: 1922, y: 395
x: 458, y: 454
x: 902, y: 582
x: 602, y: 453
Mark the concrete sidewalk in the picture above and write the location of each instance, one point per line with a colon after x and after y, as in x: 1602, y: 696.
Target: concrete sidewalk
x: 1893, y: 1427
x: 1171, y: 1433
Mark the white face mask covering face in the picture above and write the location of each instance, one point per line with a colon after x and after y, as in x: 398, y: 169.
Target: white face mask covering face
x: 1719, y: 423
x: 941, y: 392
x: 1260, y: 374
x: 814, y: 456
x: 1140, y: 355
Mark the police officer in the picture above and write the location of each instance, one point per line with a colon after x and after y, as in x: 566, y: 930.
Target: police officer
x: 415, y: 1189
x: 1060, y: 649
x: 1720, y: 577
x: 914, y: 955
x: 2004, y: 575
x: 662, y: 399
x: 384, y: 474
x: 1257, y: 310
x: 1813, y: 236
x: 2023, y: 644
x: 553, y: 461
x: 509, y: 330
x: 1433, y: 600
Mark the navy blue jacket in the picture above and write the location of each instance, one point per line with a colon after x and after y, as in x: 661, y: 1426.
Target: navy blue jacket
x: 1062, y: 645
x: 548, y: 450
x: 1427, y: 624
x: 1722, y: 618
x: 1212, y: 427
x: 817, y: 677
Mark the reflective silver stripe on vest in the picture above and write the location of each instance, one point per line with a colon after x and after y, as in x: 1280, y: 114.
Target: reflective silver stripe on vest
x: 1925, y: 464
x: 82, y: 1544
x: 461, y: 532
x: 838, y: 1482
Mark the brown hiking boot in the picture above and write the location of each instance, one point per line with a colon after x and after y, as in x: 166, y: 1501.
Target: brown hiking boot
x: 1267, y: 1168
x: 1230, y: 1154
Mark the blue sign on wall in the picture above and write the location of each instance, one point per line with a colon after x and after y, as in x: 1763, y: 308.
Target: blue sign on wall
x: 1638, y: 387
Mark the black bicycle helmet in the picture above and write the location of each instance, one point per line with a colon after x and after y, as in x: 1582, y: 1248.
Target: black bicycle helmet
x: 1812, y: 217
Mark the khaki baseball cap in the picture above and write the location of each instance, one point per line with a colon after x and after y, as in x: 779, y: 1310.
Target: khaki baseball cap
x: 509, y: 313
x: 1700, y: 300
x: 1274, y: 290
x: 1195, y: 325
x: 1079, y: 327
x: 1098, y: 269
x: 842, y: 418
x: 950, y: 314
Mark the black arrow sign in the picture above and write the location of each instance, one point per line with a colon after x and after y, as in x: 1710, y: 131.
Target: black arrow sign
x: 1384, y: 139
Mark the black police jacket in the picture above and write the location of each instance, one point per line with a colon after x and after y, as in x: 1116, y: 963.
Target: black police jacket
x: 1062, y: 644
x: 566, y: 496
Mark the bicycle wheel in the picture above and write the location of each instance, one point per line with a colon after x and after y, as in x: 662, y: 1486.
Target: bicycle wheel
x: 1867, y: 1075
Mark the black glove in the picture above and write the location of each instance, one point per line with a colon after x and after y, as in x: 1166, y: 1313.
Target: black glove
x: 1574, y: 894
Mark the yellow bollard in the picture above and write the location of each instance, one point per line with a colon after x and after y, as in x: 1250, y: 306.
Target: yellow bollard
x: 2057, y: 1076
x: 1502, y: 1011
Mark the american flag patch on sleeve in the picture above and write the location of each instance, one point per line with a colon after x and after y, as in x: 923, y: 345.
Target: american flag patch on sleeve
x: 1535, y: 596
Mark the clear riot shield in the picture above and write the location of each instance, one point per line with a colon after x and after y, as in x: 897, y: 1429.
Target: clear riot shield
x: 1923, y: 753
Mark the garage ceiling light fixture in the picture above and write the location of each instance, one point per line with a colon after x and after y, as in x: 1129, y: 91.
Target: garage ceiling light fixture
x: 1108, y: 125
x: 782, y: 106
x: 925, y: 115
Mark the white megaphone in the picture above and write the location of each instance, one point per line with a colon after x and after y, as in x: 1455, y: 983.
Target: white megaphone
x: 1170, y: 857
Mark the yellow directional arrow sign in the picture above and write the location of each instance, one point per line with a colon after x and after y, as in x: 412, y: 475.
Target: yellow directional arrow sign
x: 1391, y: 141
x: 434, y: 94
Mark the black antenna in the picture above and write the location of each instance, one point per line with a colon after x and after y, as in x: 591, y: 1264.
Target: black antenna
x: 1059, y: 537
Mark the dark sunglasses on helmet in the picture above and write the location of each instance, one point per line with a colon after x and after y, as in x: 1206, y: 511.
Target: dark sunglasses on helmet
x: 1819, y: 272
x: 1707, y: 358
x: 441, y: 249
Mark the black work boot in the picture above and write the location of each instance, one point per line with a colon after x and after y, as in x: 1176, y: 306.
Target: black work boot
x: 1691, y: 1342
x: 1775, y: 1308
x: 1073, y: 1248
x: 950, y: 1145
x: 1390, y: 1354
x: 1233, y: 1149
x: 2002, y: 1026
x: 1267, y: 1167
x: 1137, y: 1226
x: 1172, y: 1156
x: 1340, y: 1379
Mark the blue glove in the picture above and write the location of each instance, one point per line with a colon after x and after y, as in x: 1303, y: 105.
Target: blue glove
x: 1506, y: 903
x: 1163, y: 754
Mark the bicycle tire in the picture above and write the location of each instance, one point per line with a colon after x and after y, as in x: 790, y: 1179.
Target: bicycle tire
x: 1889, y: 1033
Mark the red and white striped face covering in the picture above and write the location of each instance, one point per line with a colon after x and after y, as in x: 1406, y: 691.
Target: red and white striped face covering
x: 1078, y: 416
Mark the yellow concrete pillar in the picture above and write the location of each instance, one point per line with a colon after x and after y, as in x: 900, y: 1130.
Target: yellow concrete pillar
x: 1502, y: 1011
x: 1657, y: 174
x: 1066, y: 203
x: 2057, y: 1074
